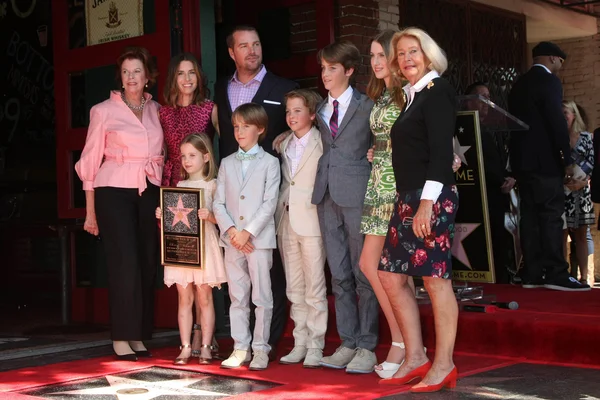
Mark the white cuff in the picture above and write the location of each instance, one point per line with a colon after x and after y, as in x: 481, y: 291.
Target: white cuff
x: 431, y: 190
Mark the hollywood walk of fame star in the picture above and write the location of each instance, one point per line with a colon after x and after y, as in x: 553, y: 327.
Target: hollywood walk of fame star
x: 461, y: 231
x: 133, y: 389
x: 181, y: 213
x: 461, y: 150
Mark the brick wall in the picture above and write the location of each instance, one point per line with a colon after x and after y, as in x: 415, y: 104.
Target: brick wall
x: 581, y: 75
x: 355, y: 20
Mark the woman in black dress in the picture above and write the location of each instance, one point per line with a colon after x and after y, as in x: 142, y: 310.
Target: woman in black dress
x: 421, y: 229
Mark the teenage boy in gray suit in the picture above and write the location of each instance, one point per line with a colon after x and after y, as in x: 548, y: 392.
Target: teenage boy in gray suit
x: 339, y: 192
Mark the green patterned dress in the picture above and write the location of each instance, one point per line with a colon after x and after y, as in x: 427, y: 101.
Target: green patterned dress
x: 381, y: 188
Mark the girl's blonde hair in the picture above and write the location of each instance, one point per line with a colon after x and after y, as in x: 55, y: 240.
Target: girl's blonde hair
x: 578, y: 124
x: 432, y: 51
x: 202, y: 143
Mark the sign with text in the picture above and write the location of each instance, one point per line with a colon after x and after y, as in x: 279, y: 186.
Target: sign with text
x: 181, y: 231
x: 110, y: 20
x: 472, y: 246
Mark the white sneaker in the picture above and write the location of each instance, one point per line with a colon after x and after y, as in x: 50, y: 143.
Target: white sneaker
x: 313, y: 358
x: 236, y: 359
x: 296, y: 355
x: 260, y: 361
x: 339, y: 359
x: 363, y: 362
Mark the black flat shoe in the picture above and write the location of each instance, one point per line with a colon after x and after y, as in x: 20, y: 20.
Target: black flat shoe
x: 143, y: 353
x: 127, y: 357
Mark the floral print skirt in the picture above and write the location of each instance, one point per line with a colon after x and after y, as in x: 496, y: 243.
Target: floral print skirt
x: 405, y: 253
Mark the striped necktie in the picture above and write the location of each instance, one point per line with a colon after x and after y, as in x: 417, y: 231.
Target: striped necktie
x: 333, y: 121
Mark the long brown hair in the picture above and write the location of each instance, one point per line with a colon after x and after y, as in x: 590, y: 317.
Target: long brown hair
x: 376, y: 86
x: 171, y: 91
x: 202, y: 143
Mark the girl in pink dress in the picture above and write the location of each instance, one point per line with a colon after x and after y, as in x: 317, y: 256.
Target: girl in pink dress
x: 187, y: 110
x: 199, y: 171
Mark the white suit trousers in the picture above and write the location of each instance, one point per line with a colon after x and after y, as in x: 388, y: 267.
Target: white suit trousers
x: 304, y: 264
x: 249, y: 274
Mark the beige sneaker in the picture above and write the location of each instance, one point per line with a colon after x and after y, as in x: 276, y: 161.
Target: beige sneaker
x: 296, y: 355
x: 339, y: 359
x: 313, y: 358
x: 363, y: 362
x: 236, y: 359
x: 260, y: 361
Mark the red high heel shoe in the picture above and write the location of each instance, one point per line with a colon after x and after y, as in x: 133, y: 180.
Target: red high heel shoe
x: 449, y: 381
x: 417, y: 373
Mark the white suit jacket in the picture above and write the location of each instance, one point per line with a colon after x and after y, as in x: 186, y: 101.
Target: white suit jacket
x: 296, y: 191
x: 248, y: 203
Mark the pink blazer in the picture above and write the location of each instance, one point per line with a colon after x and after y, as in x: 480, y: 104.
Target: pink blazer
x: 120, y: 151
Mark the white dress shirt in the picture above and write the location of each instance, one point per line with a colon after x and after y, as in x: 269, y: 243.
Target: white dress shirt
x: 246, y: 163
x: 432, y: 189
x: 295, y: 150
x: 344, y: 103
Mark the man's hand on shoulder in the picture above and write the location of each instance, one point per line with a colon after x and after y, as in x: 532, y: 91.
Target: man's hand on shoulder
x: 279, y: 140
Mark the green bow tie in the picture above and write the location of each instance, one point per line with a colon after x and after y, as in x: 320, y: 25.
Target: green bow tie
x: 244, y: 156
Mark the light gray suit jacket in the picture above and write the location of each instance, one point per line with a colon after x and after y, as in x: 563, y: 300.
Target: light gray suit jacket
x: 248, y: 203
x: 344, y: 167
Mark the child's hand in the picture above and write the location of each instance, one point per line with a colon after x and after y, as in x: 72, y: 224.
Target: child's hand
x: 203, y: 213
x: 248, y: 247
x: 231, y: 234
x: 158, y: 213
x: 240, y: 240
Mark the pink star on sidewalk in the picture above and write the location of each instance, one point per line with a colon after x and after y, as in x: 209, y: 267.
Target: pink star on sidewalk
x: 181, y: 213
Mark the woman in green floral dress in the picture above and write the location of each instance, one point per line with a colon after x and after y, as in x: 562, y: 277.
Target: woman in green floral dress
x: 381, y: 188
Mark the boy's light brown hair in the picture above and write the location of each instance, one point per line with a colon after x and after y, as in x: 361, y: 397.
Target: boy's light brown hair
x: 203, y: 144
x: 252, y: 114
x: 342, y: 52
x: 310, y: 98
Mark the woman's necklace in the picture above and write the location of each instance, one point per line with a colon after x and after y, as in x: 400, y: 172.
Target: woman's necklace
x: 131, y: 106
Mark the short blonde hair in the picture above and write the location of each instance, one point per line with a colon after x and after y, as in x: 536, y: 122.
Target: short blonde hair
x: 310, y: 98
x: 432, y: 51
x: 578, y: 124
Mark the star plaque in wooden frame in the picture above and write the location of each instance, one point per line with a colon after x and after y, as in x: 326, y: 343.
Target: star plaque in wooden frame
x: 181, y: 231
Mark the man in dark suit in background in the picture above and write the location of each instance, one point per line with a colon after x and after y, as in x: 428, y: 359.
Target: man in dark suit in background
x: 541, y: 160
x: 251, y: 82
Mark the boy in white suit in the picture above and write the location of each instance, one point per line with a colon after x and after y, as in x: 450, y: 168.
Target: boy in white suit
x: 244, y: 205
x: 298, y: 231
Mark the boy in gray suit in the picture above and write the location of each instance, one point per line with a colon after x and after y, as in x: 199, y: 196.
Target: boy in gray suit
x: 244, y: 206
x: 339, y: 192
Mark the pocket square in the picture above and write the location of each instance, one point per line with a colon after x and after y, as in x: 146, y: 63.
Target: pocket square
x: 272, y: 102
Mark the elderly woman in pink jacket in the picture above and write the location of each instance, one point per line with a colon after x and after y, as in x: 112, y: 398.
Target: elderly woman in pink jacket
x: 121, y: 170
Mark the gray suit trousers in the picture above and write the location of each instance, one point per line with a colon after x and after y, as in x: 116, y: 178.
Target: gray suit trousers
x: 356, y: 307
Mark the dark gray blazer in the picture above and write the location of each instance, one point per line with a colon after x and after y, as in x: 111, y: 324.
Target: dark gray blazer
x: 343, y: 167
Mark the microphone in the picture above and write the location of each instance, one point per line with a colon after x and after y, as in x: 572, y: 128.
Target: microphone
x: 513, y: 305
x: 480, y: 309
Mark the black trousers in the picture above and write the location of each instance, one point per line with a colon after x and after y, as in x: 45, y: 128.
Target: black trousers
x: 129, y: 233
x: 542, y: 203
